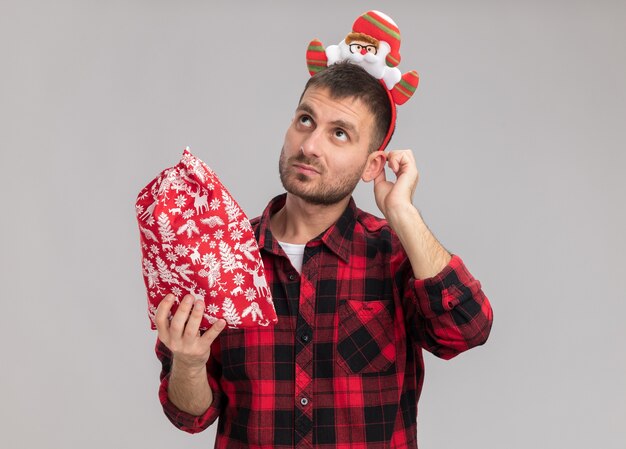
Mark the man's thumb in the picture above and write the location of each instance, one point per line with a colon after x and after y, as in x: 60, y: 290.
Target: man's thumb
x: 214, y: 330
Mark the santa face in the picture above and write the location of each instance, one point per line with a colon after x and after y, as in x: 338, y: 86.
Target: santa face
x: 326, y: 148
x: 362, y: 51
x: 363, y: 54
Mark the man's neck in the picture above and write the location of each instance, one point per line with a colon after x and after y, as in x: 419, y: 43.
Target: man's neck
x: 299, y: 222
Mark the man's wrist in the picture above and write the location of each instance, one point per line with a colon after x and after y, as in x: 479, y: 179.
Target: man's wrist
x: 188, y: 368
x: 402, y: 219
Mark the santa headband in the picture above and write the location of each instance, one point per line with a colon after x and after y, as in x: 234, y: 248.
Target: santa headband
x: 373, y: 44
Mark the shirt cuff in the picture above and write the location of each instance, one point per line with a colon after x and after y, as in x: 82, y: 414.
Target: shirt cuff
x: 444, y: 291
x: 186, y: 421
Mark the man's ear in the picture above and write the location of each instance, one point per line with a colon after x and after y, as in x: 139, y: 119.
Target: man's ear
x: 374, y: 165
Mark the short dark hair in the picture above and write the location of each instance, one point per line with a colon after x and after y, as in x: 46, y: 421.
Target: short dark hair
x: 348, y: 80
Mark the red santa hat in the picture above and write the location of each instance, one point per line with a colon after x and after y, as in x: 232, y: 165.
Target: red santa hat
x: 381, y: 27
x: 196, y: 239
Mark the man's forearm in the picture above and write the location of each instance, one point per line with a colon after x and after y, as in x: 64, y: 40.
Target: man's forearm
x: 428, y: 257
x: 189, y: 389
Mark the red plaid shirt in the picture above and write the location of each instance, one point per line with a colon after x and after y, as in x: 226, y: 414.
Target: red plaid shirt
x: 343, y: 367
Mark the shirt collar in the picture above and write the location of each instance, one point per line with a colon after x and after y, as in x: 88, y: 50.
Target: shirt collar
x: 338, y: 237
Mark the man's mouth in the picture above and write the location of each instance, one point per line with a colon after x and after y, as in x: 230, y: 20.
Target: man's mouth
x: 306, y: 169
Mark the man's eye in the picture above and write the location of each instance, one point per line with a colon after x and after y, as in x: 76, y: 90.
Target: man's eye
x: 371, y: 49
x: 305, y: 120
x: 341, y: 135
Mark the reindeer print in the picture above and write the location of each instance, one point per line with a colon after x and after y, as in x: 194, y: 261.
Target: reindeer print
x: 259, y: 282
x: 195, y: 255
x: 200, y: 202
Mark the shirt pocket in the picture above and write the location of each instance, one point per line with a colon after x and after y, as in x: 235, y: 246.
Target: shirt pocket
x: 365, y: 342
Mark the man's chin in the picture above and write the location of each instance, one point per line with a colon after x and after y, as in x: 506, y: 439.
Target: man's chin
x: 317, y: 199
x: 300, y: 185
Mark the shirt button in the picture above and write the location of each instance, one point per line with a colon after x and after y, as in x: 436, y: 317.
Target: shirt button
x: 292, y: 277
x: 304, y: 401
x: 305, y: 338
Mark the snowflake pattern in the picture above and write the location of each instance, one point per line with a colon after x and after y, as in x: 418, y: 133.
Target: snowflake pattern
x: 250, y: 294
x: 180, y: 201
x: 212, y: 309
x: 209, y: 260
x: 181, y: 250
x: 195, y: 239
x: 236, y: 234
x: 238, y: 279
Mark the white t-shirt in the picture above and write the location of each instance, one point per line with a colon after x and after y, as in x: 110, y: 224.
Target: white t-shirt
x: 295, y: 254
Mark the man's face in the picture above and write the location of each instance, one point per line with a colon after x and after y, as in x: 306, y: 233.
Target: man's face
x: 326, y: 147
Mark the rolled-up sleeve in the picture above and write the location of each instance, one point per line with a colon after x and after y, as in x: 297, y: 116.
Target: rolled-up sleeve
x: 181, y: 419
x: 452, y: 313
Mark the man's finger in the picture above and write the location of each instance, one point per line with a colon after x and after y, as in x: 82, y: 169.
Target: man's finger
x: 381, y: 177
x: 177, y: 325
x: 161, y: 318
x: 397, y: 160
x: 403, y: 163
x: 392, y: 160
x: 193, y: 323
x: 213, y: 332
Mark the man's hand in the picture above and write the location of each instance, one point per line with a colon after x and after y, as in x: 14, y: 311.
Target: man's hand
x: 188, y: 386
x: 397, y: 198
x: 182, y: 334
x: 395, y: 201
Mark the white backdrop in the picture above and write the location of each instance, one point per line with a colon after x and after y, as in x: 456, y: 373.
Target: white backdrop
x: 518, y: 127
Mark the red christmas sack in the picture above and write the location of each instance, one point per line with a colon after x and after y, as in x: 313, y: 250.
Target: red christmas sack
x: 196, y: 239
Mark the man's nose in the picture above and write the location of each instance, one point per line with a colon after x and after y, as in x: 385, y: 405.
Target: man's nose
x: 311, y: 146
x: 363, y: 51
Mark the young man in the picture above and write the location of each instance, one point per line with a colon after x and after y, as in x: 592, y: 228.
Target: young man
x: 357, y: 297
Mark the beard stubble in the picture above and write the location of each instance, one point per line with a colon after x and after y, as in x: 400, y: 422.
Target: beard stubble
x: 302, y: 186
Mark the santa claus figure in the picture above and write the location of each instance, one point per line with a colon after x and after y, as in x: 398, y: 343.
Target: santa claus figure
x: 368, y: 52
x: 374, y: 44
